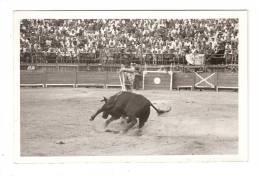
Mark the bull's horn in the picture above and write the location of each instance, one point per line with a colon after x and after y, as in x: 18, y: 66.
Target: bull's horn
x: 104, y: 99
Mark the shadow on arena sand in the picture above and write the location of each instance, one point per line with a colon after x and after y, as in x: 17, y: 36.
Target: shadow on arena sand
x: 55, y: 122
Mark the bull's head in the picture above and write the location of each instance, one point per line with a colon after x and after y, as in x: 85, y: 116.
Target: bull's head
x: 105, y: 108
x: 105, y: 114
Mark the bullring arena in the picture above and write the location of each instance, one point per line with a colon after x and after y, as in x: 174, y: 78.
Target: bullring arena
x: 55, y: 120
x: 68, y: 65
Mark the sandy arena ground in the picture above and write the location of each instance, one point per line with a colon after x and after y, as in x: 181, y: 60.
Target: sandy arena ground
x: 55, y: 122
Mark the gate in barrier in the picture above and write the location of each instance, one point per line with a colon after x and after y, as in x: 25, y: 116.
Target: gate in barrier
x: 183, y: 80
x: 227, y: 81
x: 157, y: 80
x: 205, y: 80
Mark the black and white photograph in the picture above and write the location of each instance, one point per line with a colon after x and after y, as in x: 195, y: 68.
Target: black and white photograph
x: 166, y: 84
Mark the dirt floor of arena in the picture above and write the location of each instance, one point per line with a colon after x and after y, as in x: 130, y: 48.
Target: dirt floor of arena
x: 55, y: 122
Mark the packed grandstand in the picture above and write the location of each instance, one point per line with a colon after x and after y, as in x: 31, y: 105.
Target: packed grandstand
x: 152, y: 41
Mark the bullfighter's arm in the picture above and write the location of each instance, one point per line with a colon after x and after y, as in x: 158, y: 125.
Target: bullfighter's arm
x: 127, y: 70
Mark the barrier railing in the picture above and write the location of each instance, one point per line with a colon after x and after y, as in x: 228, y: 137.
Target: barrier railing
x: 120, y: 58
x: 74, y: 77
x: 116, y: 67
x: 172, y: 80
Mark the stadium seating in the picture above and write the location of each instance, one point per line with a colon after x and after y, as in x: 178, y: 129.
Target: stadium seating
x: 125, y: 40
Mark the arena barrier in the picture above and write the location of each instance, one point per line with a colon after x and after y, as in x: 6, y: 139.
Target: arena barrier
x: 69, y: 78
x: 212, y: 80
x: 112, y: 80
x: 205, y: 80
x: 160, y: 80
x: 90, y: 79
x: 32, y: 78
x: 227, y: 81
x: 183, y: 80
x: 157, y: 80
x: 58, y: 78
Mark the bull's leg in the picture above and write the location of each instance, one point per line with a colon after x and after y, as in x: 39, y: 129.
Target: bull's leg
x: 141, y: 123
x: 142, y: 120
x: 144, y: 117
x: 131, y: 124
x: 123, y: 119
x: 128, y: 120
x: 94, y: 115
x: 108, y: 121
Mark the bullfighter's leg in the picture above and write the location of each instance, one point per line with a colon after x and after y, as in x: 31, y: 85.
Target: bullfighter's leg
x: 131, y: 124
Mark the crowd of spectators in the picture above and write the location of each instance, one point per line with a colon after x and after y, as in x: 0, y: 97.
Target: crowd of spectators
x: 101, y: 39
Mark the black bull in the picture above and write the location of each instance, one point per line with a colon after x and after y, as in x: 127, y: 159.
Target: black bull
x: 127, y: 104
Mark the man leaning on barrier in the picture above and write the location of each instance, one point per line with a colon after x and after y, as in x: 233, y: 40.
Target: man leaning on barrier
x: 128, y: 77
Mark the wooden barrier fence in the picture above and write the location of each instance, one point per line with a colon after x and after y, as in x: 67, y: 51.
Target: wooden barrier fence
x: 194, y: 80
x: 151, y: 79
x: 183, y: 80
x: 157, y: 80
x: 89, y: 78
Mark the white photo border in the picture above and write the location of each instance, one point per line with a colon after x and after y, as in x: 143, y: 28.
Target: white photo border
x: 136, y: 14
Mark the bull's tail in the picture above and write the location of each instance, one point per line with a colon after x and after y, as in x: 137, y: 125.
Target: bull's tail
x: 159, y: 111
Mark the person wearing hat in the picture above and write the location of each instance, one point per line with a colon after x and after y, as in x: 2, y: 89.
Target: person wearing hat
x: 127, y: 77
